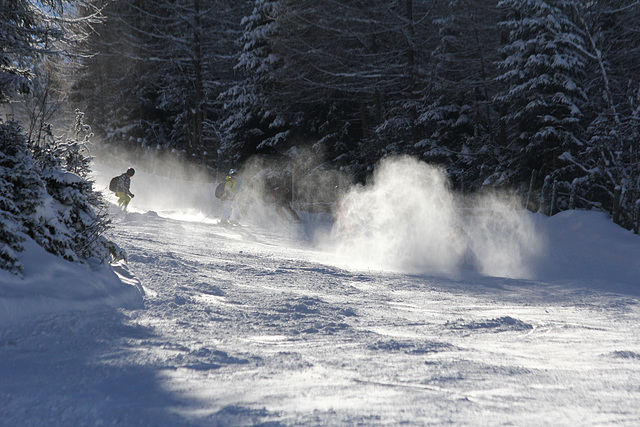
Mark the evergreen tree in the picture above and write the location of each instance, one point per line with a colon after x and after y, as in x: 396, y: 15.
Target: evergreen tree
x: 10, y: 239
x: 116, y: 85
x: 348, y: 78
x: 159, y: 68
x: 606, y: 174
x: 13, y: 158
x: 18, y: 21
x: 542, y: 71
x: 253, y: 124
x: 28, y: 192
x: 75, y: 227
x: 41, y: 198
x: 460, y: 122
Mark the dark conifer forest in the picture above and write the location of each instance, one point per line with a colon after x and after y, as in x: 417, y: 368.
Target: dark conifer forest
x: 536, y: 97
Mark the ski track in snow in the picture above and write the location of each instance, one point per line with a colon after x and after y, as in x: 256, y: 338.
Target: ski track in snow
x: 247, y: 326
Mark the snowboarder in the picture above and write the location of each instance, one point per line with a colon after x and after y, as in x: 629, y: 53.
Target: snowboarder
x: 281, y: 197
x: 122, y: 185
x: 459, y: 243
x: 230, y: 214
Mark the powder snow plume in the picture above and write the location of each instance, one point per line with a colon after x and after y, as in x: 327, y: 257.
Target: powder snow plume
x: 408, y: 219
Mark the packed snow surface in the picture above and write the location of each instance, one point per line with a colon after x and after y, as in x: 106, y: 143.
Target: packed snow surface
x: 482, y: 315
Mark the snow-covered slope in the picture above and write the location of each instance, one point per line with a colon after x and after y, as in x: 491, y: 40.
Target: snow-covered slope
x: 272, y: 324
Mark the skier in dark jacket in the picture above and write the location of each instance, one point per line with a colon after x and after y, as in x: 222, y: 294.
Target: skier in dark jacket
x: 123, y: 188
x: 281, y: 197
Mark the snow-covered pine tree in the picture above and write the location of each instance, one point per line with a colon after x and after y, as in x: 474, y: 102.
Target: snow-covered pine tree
x: 38, y: 213
x: 252, y: 123
x: 19, y: 27
x: 542, y: 71
x: 607, y: 167
x: 39, y: 198
x: 20, y: 186
x: 404, y: 39
x: 13, y: 158
x: 54, y: 207
x: 185, y: 34
x: 460, y: 123
x: 10, y: 239
x: 28, y: 190
x: 77, y: 220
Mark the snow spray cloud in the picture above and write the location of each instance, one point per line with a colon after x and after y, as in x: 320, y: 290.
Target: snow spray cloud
x: 408, y: 219
x: 311, y: 187
x: 503, y: 236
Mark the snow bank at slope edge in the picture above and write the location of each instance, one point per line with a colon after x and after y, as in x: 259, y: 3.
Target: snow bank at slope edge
x: 51, y: 284
x: 588, y: 246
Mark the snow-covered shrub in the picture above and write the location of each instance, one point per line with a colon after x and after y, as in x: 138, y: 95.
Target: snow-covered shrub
x: 13, y: 158
x: 74, y: 223
x: 41, y: 199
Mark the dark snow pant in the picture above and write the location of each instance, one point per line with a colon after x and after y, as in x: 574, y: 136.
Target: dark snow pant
x: 280, y: 208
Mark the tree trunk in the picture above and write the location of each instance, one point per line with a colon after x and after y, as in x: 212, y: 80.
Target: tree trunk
x: 196, y: 139
x: 616, y: 204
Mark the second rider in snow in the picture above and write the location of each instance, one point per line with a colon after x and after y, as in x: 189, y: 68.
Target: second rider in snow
x: 230, y: 213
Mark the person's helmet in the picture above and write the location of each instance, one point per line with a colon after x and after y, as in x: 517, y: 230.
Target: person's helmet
x: 233, y: 172
x: 131, y: 171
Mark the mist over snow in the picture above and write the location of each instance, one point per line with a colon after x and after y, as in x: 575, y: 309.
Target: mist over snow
x: 180, y: 191
x: 408, y: 219
x: 405, y: 219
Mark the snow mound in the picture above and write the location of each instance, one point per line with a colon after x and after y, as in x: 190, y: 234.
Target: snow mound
x: 501, y: 324
x: 588, y: 246
x: 52, y: 285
